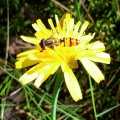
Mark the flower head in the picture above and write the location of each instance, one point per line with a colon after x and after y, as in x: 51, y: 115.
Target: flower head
x: 69, y: 44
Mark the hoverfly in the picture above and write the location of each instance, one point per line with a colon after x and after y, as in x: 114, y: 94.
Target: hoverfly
x: 53, y: 42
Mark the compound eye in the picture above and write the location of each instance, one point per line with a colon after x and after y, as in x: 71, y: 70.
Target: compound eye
x: 42, y: 44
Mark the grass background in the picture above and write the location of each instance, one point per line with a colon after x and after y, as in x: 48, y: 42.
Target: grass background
x: 28, y: 103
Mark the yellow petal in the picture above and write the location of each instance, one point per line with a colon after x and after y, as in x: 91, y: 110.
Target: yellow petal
x: 72, y: 83
x: 31, y: 74
x: 41, y: 25
x: 101, y: 57
x: 36, y: 27
x: 57, y: 20
x: 23, y: 54
x: 77, y: 27
x: 40, y: 35
x: 105, y: 56
x: 51, y: 24
x: 70, y: 26
x: 32, y: 40
x: 65, y: 22
x: 83, y: 28
x: 64, y: 18
x: 93, y: 70
x: 58, y: 26
x: 42, y: 31
x: 25, y: 62
x: 44, y: 73
x: 44, y: 68
x: 97, y: 45
x: 87, y: 38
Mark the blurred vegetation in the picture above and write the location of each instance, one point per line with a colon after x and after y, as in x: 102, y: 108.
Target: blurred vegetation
x: 35, y: 104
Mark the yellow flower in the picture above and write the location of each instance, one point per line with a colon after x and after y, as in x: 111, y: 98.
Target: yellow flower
x: 74, y: 46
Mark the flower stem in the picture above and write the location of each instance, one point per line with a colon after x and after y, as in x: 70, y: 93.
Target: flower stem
x: 93, y: 100
x: 59, y: 79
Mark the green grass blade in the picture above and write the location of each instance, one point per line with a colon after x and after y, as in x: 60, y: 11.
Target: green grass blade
x: 8, y: 73
x: 106, y: 111
x: 93, y: 100
x: 59, y: 79
x: 77, y: 6
x: 31, y: 97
